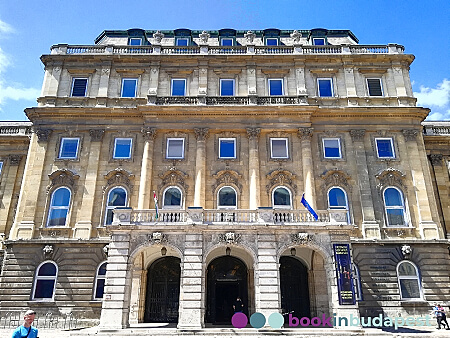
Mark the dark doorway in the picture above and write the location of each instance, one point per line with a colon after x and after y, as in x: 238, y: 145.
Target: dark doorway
x: 294, y: 288
x: 226, y: 280
x: 163, y: 291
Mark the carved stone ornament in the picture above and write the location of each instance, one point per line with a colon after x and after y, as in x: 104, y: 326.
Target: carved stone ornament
x: 48, y: 251
x: 43, y: 134
x: 335, y: 177
x: 281, y: 177
x: 158, y: 238
x: 204, y: 36
x: 357, y: 134
x: 301, y: 238
x: 227, y: 177
x: 410, y: 134
x: 406, y: 250
x: 173, y: 176
x: 253, y: 132
x: 148, y: 133
x: 250, y: 36
x: 106, y: 250
x: 296, y: 36
x: 305, y: 133
x: 436, y: 159
x: 118, y: 176
x: 96, y: 134
x: 158, y: 36
x: 201, y: 134
x: 15, y: 159
x: 389, y: 177
x: 62, y: 177
x: 229, y: 238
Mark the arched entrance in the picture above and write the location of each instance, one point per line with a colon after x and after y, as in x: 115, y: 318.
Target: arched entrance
x: 294, y: 287
x: 227, y: 278
x: 163, y: 291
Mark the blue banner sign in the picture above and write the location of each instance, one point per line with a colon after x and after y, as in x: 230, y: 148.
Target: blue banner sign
x: 343, y: 261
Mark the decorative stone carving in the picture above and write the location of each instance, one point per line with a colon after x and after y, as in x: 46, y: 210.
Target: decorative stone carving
x: 227, y: 177
x: 158, y: 36
x: 118, y: 176
x: 335, y: 177
x: 48, y: 251
x: 253, y: 132
x: 250, y: 36
x: 43, y: 134
x: 173, y: 177
x: 148, y: 133
x: 301, y: 238
x: 15, y: 159
x: 96, y: 134
x: 436, y: 159
x: 158, y: 238
x: 410, y: 134
x: 305, y: 133
x: 391, y: 176
x: 281, y: 177
x: 406, y: 251
x: 201, y: 134
x: 106, y: 250
x: 204, y: 36
x: 62, y: 177
x: 229, y: 238
x: 357, y: 134
x: 296, y: 36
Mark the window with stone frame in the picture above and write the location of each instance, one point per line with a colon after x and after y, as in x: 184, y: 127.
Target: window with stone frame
x: 325, y: 87
x: 409, y: 281
x: 59, y: 207
x: 175, y: 148
x: 117, y: 197
x: 122, y: 148
x: 374, y: 87
x: 394, y: 206
x: 79, y: 87
x: 281, y: 198
x: 68, y: 148
x: 279, y: 148
x: 337, y: 200
x: 332, y: 147
x: 385, y: 147
x: 135, y: 41
x: 227, y: 198
x: 129, y: 87
x: 45, y: 281
x: 178, y: 87
x: 227, y: 147
x: 276, y: 87
x: 172, y: 198
x: 100, y: 278
x: 227, y: 87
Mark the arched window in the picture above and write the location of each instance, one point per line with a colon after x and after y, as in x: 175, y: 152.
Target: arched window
x: 337, y: 200
x: 172, y: 198
x: 100, y: 281
x: 45, y: 280
x: 59, y: 207
x: 394, y: 206
x: 281, y: 198
x: 226, y: 198
x: 117, y: 197
x: 408, y: 281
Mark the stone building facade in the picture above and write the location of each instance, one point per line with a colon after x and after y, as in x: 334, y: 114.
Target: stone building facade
x: 228, y: 132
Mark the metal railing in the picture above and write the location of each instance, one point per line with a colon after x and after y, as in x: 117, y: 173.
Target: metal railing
x: 13, y: 319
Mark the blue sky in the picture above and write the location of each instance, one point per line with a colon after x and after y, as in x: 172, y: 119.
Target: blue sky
x: 29, y: 27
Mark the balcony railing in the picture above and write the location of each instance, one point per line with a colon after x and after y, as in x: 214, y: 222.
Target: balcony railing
x: 64, y: 49
x: 265, y: 216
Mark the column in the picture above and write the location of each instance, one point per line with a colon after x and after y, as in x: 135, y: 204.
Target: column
x: 24, y: 222
x: 253, y: 167
x: 83, y: 226
x: 443, y: 189
x: 51, y: 87
x: 422, y: 187
x: 145, y: 183
x: 305, y: 135
x: 201, y: 134
x: 370, y: 227
x: 8, y: 183
x: 191, y: 310
x: 300, y: 78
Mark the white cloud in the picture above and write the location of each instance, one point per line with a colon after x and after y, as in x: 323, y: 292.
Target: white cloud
x: 5, y: 28
x: 437, y: 99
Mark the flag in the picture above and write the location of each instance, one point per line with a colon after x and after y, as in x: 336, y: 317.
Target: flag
x: 156, y: 204
x: 310, y: 209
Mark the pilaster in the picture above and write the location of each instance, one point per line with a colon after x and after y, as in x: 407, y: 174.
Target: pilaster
x: 253, y: 167
x: 305, y: 135
x: 7, y: 185
x: 443, y: 188
x: 145, y: 183
x: 201, y: 134
x: 104, y: 80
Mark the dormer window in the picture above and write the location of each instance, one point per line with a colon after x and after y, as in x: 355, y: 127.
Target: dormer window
x: 271, y: 41
x: 318, y: 41
x: 182, y: 42
x: 226, y: 42
x: 135, y: 41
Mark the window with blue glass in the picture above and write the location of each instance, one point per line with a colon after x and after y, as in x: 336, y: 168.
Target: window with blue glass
x: 59, y: 207
x: 45, y: 281
x: 100, y: 279
x: 226, y: 42
x: 337, y: 200
x: 172, y: 198
x: 275, y: 87
x: 129, y: 87
x: 331, y: 147
x: 279, y: 148
x: 122, y: 148
x: 325, y: 87
x: 281, y: 198
x: 271, y: 42
x: 1, y: 167
x: 181, y: 42
x: 318, y: 41
x: 79, y: 87
x: 227, y: 148
x: 227, y: 87
x: 135, y: 41
x: 175, y: 148
x: 117, y: 197
x: 394, y: 206
x: 227, y: 198
x: 68, y: 148
x: 385, y: 147
x: 178, y: 87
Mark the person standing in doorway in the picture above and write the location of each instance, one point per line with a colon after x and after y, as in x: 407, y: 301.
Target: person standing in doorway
x: 26, y: 330
x: 238, y: 306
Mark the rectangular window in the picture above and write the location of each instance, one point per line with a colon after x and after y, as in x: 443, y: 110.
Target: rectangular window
x: 227, y: 148
x: 175, y: 148
x: 318, y: 41
x: 275, y: 87
x: 135, y: 41
x: 325, y: 87
x: 385, y: 148
x: 271, y: 42
x: 374, y: 87
x: 69, y: 147
x: 227, y: 87
x: 181, y: 41
x: 332, y: 148
x: 226, y: 42
x: 279, y: 148
x: 79, y: 86
x: 129, y: 87
x: 178, y: 87
x: 122, y: 147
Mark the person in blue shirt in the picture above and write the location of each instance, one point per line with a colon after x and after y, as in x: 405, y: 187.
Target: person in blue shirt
x: 26, y: 330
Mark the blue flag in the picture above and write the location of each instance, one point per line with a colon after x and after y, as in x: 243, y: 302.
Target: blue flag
x: 310, y: 209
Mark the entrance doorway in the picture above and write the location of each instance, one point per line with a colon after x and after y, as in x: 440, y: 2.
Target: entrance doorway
x: 163, y: 291
x: 227, y: 278
x: 294, y: 288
